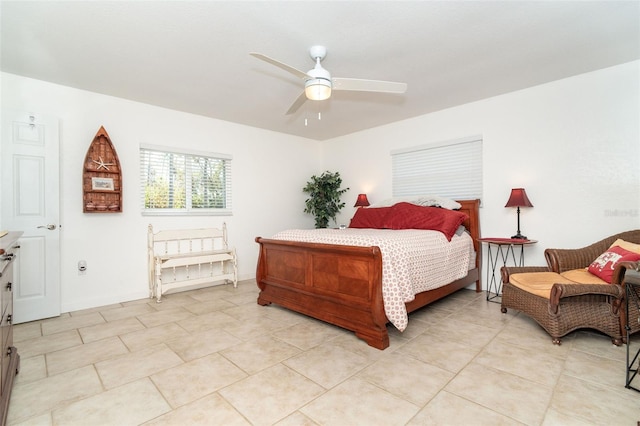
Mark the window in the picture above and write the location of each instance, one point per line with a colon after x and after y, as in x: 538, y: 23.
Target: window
x: 182, y: 182
x: 450, y: 169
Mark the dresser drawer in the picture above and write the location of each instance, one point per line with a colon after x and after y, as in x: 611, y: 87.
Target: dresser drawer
x: 5, y: 351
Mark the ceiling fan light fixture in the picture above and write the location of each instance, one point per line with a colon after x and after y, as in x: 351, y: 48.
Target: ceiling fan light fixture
x: 317, y: 89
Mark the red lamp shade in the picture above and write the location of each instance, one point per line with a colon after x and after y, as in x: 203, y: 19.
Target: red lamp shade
x: 361, y: 201
x: 518, y: 198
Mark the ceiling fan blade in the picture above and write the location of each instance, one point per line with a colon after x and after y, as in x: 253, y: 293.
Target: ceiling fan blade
x: 297, y: 103
x: 292, y: 70
x: 360, y: 85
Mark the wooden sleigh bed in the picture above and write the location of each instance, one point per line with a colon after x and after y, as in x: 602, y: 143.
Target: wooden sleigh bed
x: 342, y: 285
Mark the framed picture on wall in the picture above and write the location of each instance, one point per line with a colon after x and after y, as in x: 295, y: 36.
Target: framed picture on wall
x: 102, y: 184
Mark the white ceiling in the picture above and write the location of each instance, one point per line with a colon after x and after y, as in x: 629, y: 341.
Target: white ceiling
x: 193, y: 56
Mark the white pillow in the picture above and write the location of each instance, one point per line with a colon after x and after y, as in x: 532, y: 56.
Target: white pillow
x: 421, y: 200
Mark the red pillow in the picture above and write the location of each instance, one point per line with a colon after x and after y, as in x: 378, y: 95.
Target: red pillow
x: 604, y: 265
x: 369, y: 218
x: 410, y: 216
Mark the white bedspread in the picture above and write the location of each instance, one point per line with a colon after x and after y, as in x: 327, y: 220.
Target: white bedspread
x: 413, y: 261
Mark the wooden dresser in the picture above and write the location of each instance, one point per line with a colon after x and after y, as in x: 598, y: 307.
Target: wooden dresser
x: 10, y: 359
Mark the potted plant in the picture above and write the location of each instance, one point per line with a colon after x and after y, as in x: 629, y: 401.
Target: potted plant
x: 324, y: 197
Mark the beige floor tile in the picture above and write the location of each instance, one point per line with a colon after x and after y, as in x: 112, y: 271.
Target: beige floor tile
x: 307, y: 334
x: 518, y: 361
x: 449, y: 409
x: 126, y: 311
x: 350, y: 342
x: 164, y: 316
x: 214, y: 356
x: 502, y: 392
x: 327, y: 365
x: 213, y: 320
x: 260, y: 353
x: 31, y: 369
x: 110, y: 329
x: 250, y: 328
x: 296, y: 419
x: 190, y: 381
x: 598, y: 344
x: 556, y: 418
x: 136, y: 365
x: 148, y: 337
x: 41, y: 396
x: 204, y: 343
x: 49, y: 343
x: 448, y: 355
x: 397, y: 374
x: 533, y: 338
x: 596, y: 369
x: 42, y: 420
x: 247, y: 310
x: 358, y: 402
x: 90, y: 353
x: 247, y: 298
x: 207, y: 411
x: 27, y: 331
x: 275, y: 393
x: 172, y: 301
x: 473, y: 334
x: 485, y: 313
x: 595, y: 403
x: 215, y: 292
x: 130, y: 404
x: 416, y: 327
x: 214, y: 305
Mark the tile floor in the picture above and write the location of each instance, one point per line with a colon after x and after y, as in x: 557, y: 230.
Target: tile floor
x: 214, y: 357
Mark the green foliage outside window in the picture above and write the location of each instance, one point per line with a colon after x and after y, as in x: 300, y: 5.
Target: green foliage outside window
x: 183, y: 182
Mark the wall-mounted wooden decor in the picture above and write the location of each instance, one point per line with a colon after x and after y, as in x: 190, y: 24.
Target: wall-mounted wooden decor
x: 102, y: 177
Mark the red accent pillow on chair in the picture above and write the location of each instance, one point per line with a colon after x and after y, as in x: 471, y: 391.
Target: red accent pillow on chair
x: 604, y: 265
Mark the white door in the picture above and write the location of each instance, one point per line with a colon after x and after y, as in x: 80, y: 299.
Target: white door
x: 30, y: 203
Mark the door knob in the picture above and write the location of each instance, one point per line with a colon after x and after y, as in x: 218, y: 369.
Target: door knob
x: 50, y: 227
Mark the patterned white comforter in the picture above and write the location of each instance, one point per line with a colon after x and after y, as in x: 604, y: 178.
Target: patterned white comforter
x: 413, y: 260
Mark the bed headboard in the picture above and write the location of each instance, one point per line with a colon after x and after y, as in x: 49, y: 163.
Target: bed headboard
x: 472, y: 209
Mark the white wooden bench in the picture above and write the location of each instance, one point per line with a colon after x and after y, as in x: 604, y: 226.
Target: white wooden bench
x: 185, y: 258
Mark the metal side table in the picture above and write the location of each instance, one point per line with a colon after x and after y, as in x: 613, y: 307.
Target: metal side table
x: 632, y: 300
x: 501, y: 249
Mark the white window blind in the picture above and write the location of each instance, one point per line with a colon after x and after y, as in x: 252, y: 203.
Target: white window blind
x: 450, y: 169
x: 184, y: 182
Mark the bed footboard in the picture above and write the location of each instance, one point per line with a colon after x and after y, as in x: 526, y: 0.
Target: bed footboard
x: 341, y: 285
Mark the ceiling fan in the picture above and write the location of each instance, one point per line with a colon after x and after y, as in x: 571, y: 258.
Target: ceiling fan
x: 318, y: 82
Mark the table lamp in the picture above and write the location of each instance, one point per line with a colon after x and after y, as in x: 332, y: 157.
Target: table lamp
x: 518, y: 198
x: 362, y: 201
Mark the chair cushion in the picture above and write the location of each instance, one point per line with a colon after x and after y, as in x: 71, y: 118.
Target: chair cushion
x: 626, y: 245
x: 582, y: 276
x: 538, y: 283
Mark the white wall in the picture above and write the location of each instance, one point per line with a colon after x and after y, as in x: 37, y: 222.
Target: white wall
x: 267, y: 190
x: 574, y: 144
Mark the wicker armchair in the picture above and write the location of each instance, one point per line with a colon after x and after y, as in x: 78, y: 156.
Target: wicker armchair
x: 632, y: 318
x: 573, y: 306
